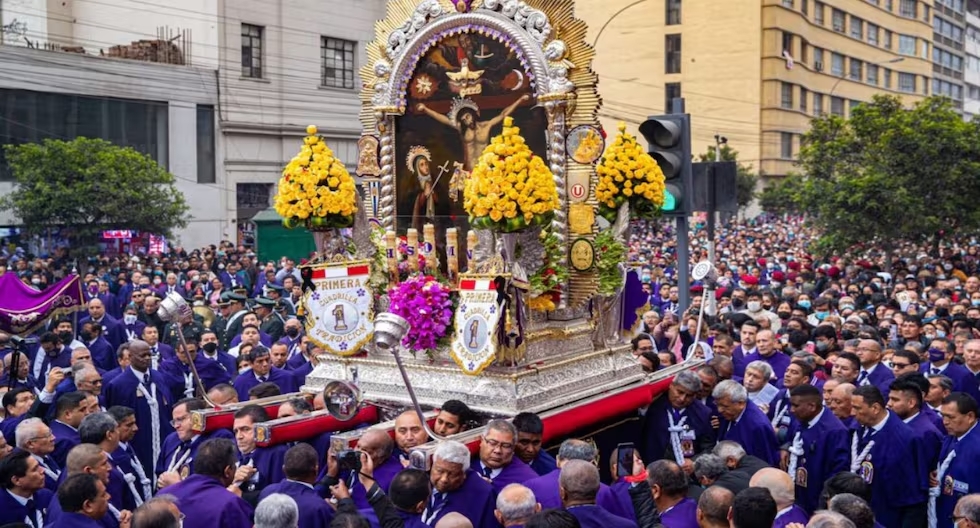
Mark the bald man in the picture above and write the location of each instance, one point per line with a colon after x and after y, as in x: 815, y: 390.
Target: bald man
x: 112, y: 329
x: 783, y: 491
x: 454, y: 520
x: 840, y: 404
x: 408, y: 434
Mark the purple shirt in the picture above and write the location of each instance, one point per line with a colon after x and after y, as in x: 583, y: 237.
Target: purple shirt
x: 205, y: 503
x: 681, y: 515
x: 794, y: 515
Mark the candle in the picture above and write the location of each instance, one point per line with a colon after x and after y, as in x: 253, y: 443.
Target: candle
x: 429, y: 246
x: 391, y: 252
x: 413, y: 248
x: 470, y: 248
x: 452, y: 259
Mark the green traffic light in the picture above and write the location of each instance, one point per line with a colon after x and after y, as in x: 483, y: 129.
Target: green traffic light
x: 670, y: 203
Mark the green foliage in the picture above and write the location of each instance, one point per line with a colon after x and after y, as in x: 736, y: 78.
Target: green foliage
x: 609, y: 254
x: 891, y: 173
x: 90, y: 185
x: 782, y: 196
x: 746, y: 179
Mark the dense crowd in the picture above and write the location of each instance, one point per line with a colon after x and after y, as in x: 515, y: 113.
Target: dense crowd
x: 836, y: 390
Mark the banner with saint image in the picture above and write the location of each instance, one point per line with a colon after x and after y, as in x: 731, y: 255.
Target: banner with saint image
x: 339, y: 306
x: 475, y: 343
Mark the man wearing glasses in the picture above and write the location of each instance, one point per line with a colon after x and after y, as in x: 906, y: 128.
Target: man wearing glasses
x: 497, y: 463
x: 955, y: 480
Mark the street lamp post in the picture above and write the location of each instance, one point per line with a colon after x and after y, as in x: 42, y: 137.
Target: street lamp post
x: 879, y: 63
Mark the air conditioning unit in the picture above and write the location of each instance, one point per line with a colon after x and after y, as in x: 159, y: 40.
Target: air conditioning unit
x: 818, y: 66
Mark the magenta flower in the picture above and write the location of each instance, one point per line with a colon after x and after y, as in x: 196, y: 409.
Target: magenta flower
x: 427, y: 306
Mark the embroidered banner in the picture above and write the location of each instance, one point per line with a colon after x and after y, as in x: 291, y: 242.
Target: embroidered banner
x: 475, y: 343
x: 339, y: 309
x: 24, y: 309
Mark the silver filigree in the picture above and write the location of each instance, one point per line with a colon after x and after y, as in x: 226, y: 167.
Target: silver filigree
x: 382, y: 68
x: 558, y: 82
x: 380, y: 93
x: 401, y: 36
x: 535, y: 22
x: 555, y: 50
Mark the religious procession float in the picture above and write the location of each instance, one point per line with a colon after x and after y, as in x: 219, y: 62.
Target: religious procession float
x: 482, y: 258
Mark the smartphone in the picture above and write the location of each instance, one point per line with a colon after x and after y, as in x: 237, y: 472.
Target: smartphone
x: 624, y: 460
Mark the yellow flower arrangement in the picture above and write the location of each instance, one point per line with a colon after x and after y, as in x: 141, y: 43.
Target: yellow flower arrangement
x: 315, y: 188
x: 627, y: 173
x: 510, y: 188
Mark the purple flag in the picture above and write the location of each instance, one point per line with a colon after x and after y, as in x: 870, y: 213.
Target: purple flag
x: 635, y: 303
x: 23, y: 309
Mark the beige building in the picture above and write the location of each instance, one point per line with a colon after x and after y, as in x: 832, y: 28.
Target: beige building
x: 756, y: 71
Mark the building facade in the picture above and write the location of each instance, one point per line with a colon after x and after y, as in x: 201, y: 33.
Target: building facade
x: 971, y: 75
x: 948, y: 57
x: 757, y: 71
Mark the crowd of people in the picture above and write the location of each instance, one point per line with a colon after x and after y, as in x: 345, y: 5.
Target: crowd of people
x: 835, y: 392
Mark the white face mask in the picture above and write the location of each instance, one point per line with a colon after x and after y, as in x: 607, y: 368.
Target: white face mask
x: 157, y: 281
x: 754, y: 306
x: 129, y: 319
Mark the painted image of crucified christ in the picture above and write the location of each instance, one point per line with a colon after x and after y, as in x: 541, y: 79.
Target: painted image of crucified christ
x: 475, y: 135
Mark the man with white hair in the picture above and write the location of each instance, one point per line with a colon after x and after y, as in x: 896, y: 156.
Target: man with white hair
x: 766, y: 351
x: 515, y: 505
x: 678, y: 426
x: 829, y: 519
x: 783, y: 491
x: 277, y: 511
x: 743, y: 422
x: 496, y: 461
x: 456, y: 488
x: 35, y: 437
x: 454, y: 520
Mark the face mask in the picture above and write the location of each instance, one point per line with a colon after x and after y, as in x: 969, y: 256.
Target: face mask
x: 129, y: 319
x: 804, y: 304
x: 243, y: 370
x: 822, y: 346
x: 930, y: 336
x: 738, y: 303
x: 847, y: 307
x: 93, y: 289
x: 975, y: 302
x: 767, y: 306
x: 35, y: 281
x: 936, y: 355
x: 157, y: 281
x: 948, y: 267
x: 821, y: 315
x: 210, y: 347
x: 940, y: 334
x: 292, y: 332
x: 86, y: 336
x: 65, y: 337
x: 754, y: 306
x: 784, y: 315
x: 848, y: 334
x: 942, y: 312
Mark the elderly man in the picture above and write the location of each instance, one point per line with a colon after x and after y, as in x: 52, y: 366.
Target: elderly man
x: 713, y: 507
x: 578, y: 487
x: 765, y: 342
x: 840, y: 404
x: 545, y: 487
x: 744, y: 423
x: 35, y: 437
x: 101, y: 429
x: 496, y: 461
x: 678, y: 426
x: 967, y: 512
x: 456, y: 488
x: 872, y: 371
x: 956, y: 474
x: 515, y: 505
x: 277, y: 511
x: 177, y: 454
x: 781, y: 486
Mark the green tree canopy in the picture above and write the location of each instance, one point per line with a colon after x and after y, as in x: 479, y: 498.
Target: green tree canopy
x: 891, y: 173
x: 781, y: 196
x: 746, y: 178
x: 90, y: 185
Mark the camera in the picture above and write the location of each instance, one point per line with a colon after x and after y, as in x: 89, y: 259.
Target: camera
x: 349, y: 460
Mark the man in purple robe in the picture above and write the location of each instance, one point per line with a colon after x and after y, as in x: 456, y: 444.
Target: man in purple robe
x: 262, y: 372
x: 744, y: 423
x: 124, y: 458
x: 546, y: 487
x: 578, y: 487
x: 677, y: 426
x: 496, y: 461
x: 204, y: 497
x: 159, y: 352
x: 516, y: 504
x: 884, y: 451
x: 781, y: 486
x: 301, y: 467
x: 817, y: 446
x: 176, y: 460
x: 457, y: 489
x: 51, y: 354
x: 747, y: 346
x: 905, y: 400
x: 669, y: 488
x: 111, y: 329
x: 70, y: 409
x: 872, y: 371
x: 261, y: 466
x: 956, y: 475
x: 941, y: 353
x: 145, y: 391
x: 798, y: 373
x: 182, y: 378
x: 530, y: 431
x: 766, y: 351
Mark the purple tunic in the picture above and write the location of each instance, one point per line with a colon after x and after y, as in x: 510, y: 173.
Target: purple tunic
x: 205, y: 503
x: 592, y: 516
x: 474, y: 500
x: 517, y: 472
x: 889, y: 468
x: 181, y: 382
x: 794, y: 515
x: 777, y: 360
x: 754, y: 433
x: 268, y: 464
x: 65, y: 438
x: 126, y: 390
x: 826, y: 452
x: 284, y: 379
x: 961, y: 477
x: 681, y: 515
x: 174, y: 455
x: 314, y: 512
x: 545, y: 490
x: 656, y: 437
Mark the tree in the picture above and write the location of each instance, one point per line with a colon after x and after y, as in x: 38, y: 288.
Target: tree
x: 745, y: 179
x: 86, y: 186
x: 890, y: 174
x: 782, y: 196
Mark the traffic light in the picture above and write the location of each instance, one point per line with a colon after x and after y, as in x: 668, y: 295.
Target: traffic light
x: 669, y: 139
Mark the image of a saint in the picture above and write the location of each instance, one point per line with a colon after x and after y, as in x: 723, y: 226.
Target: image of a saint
x: 474, y: 335
x: 419, y: 162
x: 338, y: 314
x: 474, y: 134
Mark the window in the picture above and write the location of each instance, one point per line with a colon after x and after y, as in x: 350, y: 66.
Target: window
x: 886, y: 77
x: 802, y: 99
x: 872, y: 34
x: 673, y: 15
x: 906, y: 82
x: 857, y: 28
x: 804, y: 51
x: 837, y: 106
x: 837, y: 64
x: 805, y: 7
x: 818, y: 12
x: 925, y: 12
x: 673, y: 47
x: 252, y: 51
x: 787, y: 95
x: 205, y: 144
x: 888, y: 39
x: 786, y: 145
x: 906, y: 45
x: 924, y: 52
x: 907, y: 8
x: 817, y: 104
x: 788, y: 3
x: 855, y: 71
x: 872, y: 77
x: 32, y: 117
x: 889, y: 6
x: 337, y: 63
x: 671, y: 91
x: 788, y: 43
x: 818, y: 58
x: 838, y: 20
x: 851, y: 105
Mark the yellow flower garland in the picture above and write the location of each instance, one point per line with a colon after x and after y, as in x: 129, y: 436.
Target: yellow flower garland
x: 628, y: 173
x: 510, y: 188
x: 316, y: 188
